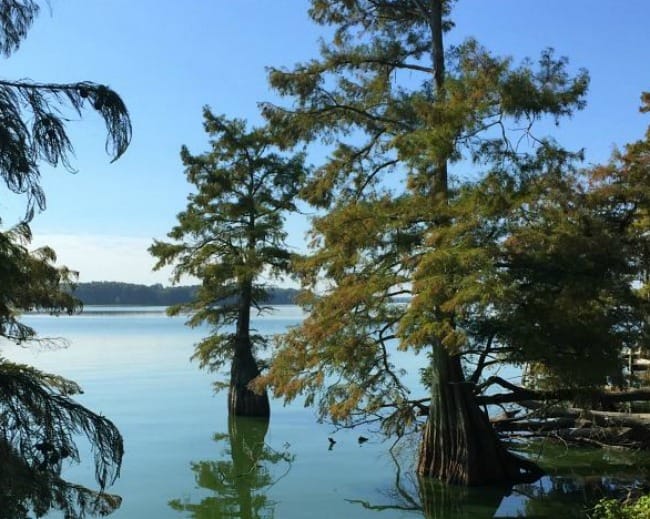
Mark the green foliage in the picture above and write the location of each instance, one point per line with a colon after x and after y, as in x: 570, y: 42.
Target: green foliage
x: 614, y: 509
x: 231, y: 233
x: 394, y: 226
x: 540, y: 267
x: 39, y: 422
x: 29, y: 281
x: 28, y: 492
x: 40, y: 425
x: 33, y: 131
x: 33, y: 125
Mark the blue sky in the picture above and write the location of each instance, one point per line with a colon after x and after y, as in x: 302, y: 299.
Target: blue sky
x: 168, y: 58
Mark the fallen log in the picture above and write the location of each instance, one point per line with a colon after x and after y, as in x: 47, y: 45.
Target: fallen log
x: 534, y: 425
x: 622, y: 437
x: 606, y: 418
x: 597, y: 428
x: 518, y: 394
x: 601, y: 418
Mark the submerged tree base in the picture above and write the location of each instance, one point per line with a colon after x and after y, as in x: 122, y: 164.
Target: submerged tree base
x: 462, y: 445
x: 459, y: 445
x: 482, y: 460
x: 246, y: 403
x: 242, y: 400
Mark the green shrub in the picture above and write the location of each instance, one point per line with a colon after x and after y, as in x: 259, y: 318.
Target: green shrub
x: 614, y: 509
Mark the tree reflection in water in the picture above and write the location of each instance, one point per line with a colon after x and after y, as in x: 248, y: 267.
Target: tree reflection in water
x: 431, y: 498
x: 580, y: 479
x: 239, y: 481
x: 573, y: 496
x: 29, y: 491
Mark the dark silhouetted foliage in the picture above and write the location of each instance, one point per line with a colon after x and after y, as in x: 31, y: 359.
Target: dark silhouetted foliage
x: 39, y: 422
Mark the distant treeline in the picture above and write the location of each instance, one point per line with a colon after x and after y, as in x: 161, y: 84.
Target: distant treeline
x: 114, y: 293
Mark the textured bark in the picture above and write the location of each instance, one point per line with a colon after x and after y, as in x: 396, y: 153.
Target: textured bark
x: 459, y: 445
x: 242, y: 401
x: 441, y: 186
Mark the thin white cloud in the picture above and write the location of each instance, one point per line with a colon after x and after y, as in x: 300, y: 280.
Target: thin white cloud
x: 100, y: 257
x: 105, y: 257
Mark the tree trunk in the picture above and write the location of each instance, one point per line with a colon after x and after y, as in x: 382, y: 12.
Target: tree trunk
x: 242, y: 401
x: 459, y: 445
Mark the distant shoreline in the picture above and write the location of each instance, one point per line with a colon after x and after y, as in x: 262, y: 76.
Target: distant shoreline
x: 112, y: 293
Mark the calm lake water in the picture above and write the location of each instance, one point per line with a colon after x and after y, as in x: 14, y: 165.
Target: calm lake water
x: 183, y: 458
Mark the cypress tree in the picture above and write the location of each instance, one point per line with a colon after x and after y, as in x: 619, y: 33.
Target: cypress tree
x: 398, y: 114
x: 230, y: 237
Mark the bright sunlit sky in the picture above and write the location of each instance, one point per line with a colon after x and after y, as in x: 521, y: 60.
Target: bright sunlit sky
x: 168, y: 58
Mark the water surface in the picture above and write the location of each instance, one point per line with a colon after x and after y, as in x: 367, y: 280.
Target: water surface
x: 184, y: 460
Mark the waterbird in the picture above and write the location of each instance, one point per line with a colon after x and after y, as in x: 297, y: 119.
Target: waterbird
x: 362, y: 439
